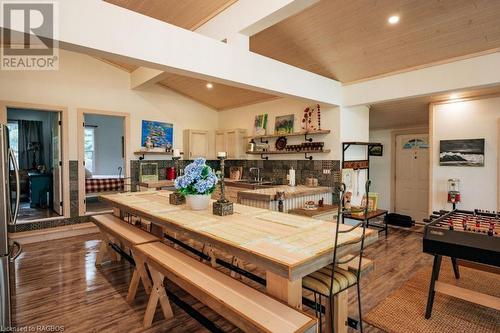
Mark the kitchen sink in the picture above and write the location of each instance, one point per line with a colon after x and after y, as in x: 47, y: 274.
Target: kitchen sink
x: 250, y: 184
x: 254, y: 182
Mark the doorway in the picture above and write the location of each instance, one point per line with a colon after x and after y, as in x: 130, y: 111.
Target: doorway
x: 35, y: 138
x: 103, y: 169
x: 411, y: 175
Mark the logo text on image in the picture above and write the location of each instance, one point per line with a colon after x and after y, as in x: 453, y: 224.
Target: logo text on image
x: 29, y: 35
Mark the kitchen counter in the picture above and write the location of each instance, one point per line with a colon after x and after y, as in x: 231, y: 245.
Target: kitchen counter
x: 295, y: 196
x: 246, y: 185
x: 269, y: 194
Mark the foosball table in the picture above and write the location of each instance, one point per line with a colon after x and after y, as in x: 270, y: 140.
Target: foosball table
x: 471, y: 238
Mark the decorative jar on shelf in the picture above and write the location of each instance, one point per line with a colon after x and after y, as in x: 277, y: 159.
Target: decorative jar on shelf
x: 198, y: 201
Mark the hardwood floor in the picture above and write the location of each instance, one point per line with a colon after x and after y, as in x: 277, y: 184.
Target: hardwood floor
x: 26, y: 213
x: 58, y: 284
x: 94, y: 205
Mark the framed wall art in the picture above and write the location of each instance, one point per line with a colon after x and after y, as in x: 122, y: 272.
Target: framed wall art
x: 160, y: 134
x: 466, y: 152
x: 284, y: 124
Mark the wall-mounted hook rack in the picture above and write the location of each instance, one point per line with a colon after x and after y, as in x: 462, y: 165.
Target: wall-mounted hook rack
x: 308, y: 157
x: 142, y: 157
x: 264, y: 157
x: 307, y: 139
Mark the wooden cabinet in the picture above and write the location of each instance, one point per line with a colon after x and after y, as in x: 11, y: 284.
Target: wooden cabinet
x: 196, y: 144
x: 231, y: 141
x: 220, y: 141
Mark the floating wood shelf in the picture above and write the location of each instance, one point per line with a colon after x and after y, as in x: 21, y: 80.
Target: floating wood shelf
x: 270, y: 136
x: 284, y: 152
x: 142, y: 154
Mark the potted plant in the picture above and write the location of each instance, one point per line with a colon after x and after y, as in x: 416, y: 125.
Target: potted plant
x: 197, y: 184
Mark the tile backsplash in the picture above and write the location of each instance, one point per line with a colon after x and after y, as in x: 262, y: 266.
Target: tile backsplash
x: 327, y: 171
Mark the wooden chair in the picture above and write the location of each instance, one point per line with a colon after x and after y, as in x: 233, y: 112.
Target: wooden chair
x: 245, y: 307
x: 118, y: 233
x: 335, y: 278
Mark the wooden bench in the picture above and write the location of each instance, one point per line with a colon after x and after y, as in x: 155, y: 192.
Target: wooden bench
x: 245, y: 307
x: 125, y: 235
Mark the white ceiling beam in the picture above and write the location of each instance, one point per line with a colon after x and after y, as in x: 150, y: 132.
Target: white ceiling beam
x: 151, y: 43
x: 476, y: 72
x: 237, y: 22
x: 144, y: 77
x: 248, y: 17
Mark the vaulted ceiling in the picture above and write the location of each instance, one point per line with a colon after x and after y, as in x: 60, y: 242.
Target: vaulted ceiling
x: 413, y: 112
x: 191, y: 14
x: 351, y: 40
x: 187, y: 14
x: 220, y: 96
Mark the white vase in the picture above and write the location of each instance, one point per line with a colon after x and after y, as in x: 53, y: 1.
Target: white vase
x: 198, y: 201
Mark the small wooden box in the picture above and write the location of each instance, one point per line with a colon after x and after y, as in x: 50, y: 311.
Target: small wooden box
x: 176, y: 199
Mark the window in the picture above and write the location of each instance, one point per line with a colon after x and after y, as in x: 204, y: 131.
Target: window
x: 13, y: 127
x: 89, y: 148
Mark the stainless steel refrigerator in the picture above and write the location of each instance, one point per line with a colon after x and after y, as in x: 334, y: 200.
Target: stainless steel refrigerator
x: 9, y: 207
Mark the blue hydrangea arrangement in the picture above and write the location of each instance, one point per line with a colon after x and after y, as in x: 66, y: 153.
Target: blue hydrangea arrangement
x: 198, y: 178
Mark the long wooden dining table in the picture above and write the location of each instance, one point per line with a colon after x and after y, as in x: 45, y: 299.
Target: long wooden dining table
x: 287, y: 247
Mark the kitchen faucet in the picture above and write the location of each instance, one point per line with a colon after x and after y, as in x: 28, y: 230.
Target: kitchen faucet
x: 257, y: 179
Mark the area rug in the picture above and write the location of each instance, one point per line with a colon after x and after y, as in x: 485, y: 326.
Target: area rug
x: 404, y: 310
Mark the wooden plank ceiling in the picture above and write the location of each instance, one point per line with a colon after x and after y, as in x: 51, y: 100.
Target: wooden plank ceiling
x: 187, y: 14
x: 220, y: 96
x: 351, y: 40
x: 191, y: 14
x: 414, y: 112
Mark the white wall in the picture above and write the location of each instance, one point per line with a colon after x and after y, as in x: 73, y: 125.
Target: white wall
x: 380, y: 168
x: 355, y: 126
x: 108, y: 135
x: 243, y: 117
x: 467, y: 120
x: 84, y: 82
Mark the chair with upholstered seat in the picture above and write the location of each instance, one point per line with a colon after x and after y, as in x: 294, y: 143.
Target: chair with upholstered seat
x: 335, y: 278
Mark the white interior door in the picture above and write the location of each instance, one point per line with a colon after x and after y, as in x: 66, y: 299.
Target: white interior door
x: 412, y: 175
x: 56, y: 164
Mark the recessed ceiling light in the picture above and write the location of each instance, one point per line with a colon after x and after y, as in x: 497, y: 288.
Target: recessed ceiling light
x: 393, y: 19
x: 453, y: 96
x: 209, y: 85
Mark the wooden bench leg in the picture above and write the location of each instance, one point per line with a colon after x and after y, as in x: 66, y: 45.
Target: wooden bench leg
x: 140, y: 266
x: 209, y: 251
x: 116, y: 254
x: 157, y: 294
x: 105, y: 249
x: 236, y: 262
x: 134, y: 284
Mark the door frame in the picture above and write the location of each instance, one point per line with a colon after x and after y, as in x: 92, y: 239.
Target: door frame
x: 4, y: 105
x: 80, y: 132
x: 498, y: 164
x: 394, y: 134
